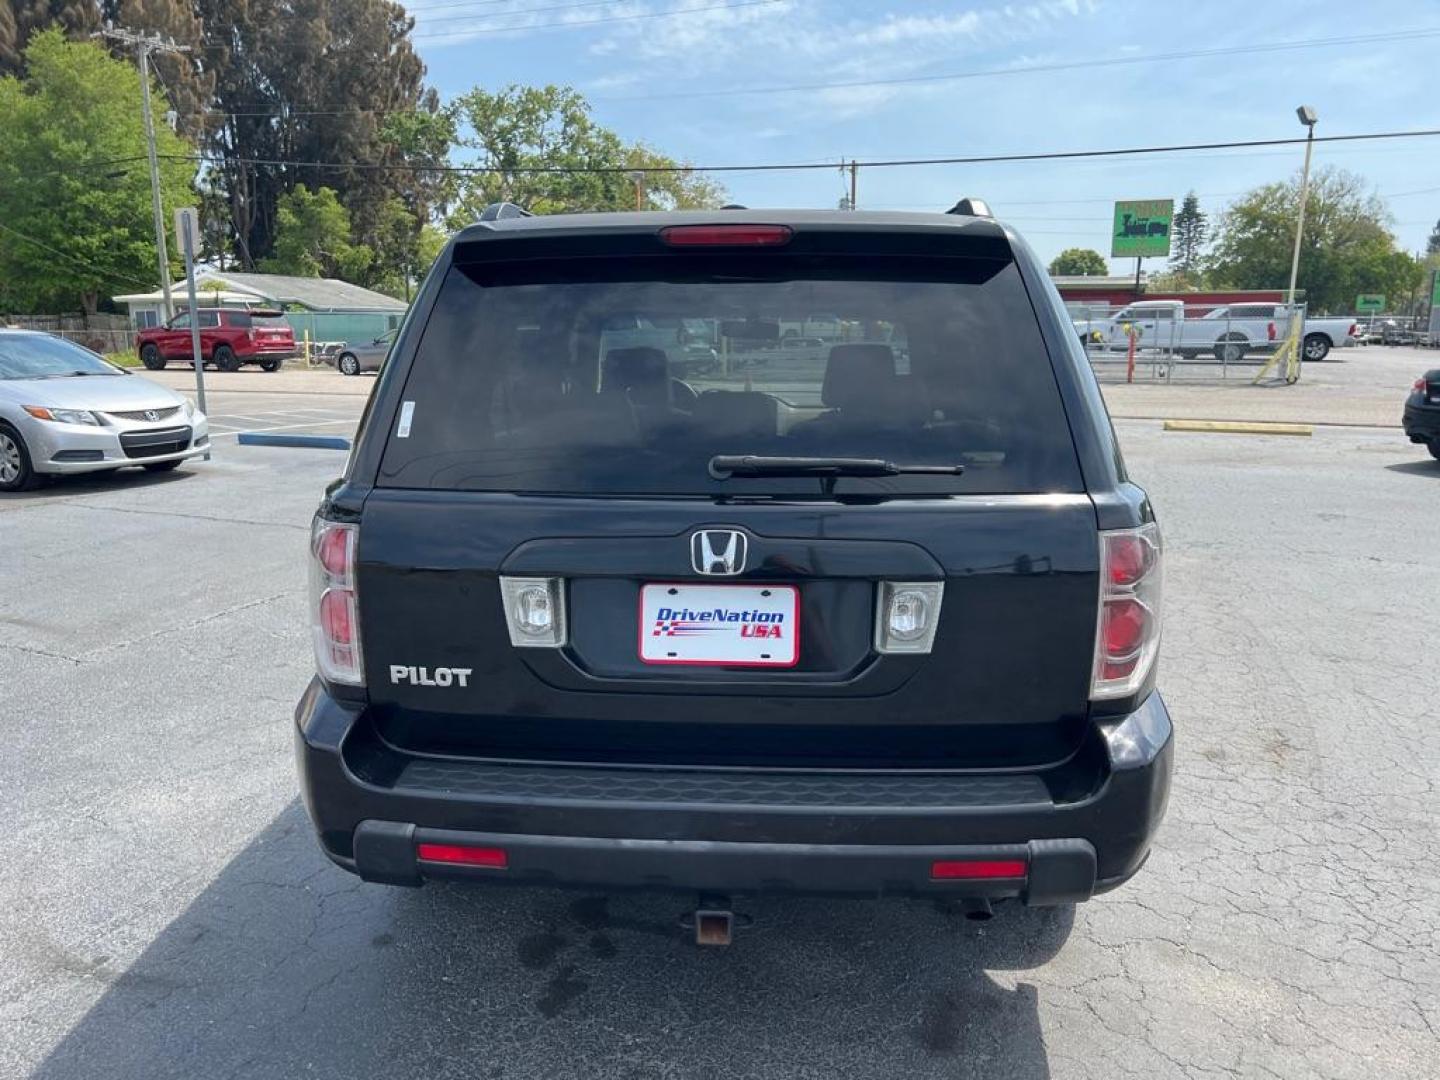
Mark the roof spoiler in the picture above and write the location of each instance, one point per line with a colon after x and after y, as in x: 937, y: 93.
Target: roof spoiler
x: 971, y: 207
x: 499, y: 211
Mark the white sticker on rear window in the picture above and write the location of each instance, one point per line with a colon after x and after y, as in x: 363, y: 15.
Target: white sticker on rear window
x: 407, y: 412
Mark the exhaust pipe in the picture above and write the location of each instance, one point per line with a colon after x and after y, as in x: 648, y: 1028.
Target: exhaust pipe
x: 978, y: 910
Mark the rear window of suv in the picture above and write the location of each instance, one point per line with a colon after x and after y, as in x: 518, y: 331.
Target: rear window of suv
x: 626, y: 376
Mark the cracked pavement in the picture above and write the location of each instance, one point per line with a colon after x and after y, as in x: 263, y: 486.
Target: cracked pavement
x: 164, y: 911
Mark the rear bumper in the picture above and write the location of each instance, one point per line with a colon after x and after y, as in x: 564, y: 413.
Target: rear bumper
x: 1421, y: 420
x: 734, y: 831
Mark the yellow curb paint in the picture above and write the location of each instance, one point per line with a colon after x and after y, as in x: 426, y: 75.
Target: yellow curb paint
x: 1235, y: 427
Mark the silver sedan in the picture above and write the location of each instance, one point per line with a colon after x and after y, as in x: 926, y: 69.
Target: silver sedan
x: 63, y: 409
x: 356, y: 356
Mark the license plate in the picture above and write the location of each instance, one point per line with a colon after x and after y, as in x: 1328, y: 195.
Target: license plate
x: 734, y: 625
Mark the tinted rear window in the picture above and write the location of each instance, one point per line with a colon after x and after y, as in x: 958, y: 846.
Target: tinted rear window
x: 626, y: 377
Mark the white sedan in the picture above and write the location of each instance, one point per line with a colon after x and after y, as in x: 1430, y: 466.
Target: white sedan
x: 63, y: 409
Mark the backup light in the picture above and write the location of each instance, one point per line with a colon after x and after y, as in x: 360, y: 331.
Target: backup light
x: 334, y: 607
x: 906, y: 615
x: 1127, y: 628
x: 534, y: 611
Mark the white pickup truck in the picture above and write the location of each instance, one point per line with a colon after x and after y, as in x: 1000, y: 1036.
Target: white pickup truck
x: 1229, y: 332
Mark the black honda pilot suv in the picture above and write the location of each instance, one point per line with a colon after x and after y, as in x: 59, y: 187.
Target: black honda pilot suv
x: 738, y: 552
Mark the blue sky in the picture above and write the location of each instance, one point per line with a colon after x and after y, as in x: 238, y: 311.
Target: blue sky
x: 671, y: 81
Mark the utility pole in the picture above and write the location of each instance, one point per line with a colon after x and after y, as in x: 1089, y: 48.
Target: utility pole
x: 144, y: 45
x: 639, y: 178
x: 1308, y: 118
x: 854, y: 184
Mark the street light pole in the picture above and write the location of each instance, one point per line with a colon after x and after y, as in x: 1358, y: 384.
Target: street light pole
x: 144, y: 44
x: 1307, y: 117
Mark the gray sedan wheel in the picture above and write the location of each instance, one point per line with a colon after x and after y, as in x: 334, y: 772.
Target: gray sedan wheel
x: 15, y: 471
x: 348, y: 364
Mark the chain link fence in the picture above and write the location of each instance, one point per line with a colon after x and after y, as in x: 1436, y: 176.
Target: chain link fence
x: 102, y: 333
x: 1164, y: 340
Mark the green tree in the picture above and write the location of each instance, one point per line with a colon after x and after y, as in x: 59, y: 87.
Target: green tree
x: 1346, y: 249
x: 189, y: 83
x: 1432, y: 247
x: 312, y: 238
x: 521, y: 131
x: 1079, y: 262
x: 75, y: 217
x: 307, y: 80
x: 1188, y: 233
x: 21, y: 20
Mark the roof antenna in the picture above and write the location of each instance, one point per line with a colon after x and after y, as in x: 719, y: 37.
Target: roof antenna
x: 971, y: 207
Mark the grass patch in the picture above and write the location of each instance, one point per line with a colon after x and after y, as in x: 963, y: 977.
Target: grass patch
x: 129, y: 358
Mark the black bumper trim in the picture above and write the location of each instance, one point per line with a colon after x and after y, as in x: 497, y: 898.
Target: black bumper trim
x: 1421, y: 421
x: 1060, y: 871
x: 860, y: 841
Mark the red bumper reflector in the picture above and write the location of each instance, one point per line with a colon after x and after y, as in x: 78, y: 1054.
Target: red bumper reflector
x: 463, y: 855
x: 726, y: 235
x: 972, y: 869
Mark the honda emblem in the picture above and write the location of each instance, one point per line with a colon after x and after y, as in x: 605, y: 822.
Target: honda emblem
x: 151, y: 415
x: 718, y: 551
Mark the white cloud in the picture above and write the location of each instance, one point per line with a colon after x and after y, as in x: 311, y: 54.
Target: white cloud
x: 900, y: 30
x: 507, y: 22
x: 806, y: 41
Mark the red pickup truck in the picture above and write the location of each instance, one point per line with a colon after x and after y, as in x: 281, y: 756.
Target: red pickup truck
x: 229, y: 337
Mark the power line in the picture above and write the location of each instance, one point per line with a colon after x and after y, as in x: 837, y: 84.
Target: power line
x: 1058, y: 155
x: 266, y: 109
x: 1028, y: 69
x: 581, y: 23
x: 83, y: 263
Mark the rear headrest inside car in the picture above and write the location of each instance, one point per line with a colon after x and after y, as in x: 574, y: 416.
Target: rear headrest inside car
x: 639, y: 366
x: 855, y: 374
x: 737, y: 414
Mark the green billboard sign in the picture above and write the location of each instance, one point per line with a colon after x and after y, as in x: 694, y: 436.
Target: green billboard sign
x: 1369, y: 303
x: 1142, y: 227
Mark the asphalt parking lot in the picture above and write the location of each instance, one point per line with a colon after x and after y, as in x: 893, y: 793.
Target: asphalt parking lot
x: 164, y: 911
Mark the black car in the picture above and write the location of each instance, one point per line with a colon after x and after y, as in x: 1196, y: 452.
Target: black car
x: 1422, y: 412
x: 880, y: 619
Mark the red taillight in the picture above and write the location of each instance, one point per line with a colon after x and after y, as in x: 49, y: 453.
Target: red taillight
x: 335, y: 617
x: 334, y: 606
x: 493, y: 858
x: 1270, y: 331
x: 333, y: 551
x: 1124, y: 622
x: 1419, y: 384
x: 976, y: 869
x: 1127, y: 630
x: 1130, y: 558
x: 726, y: 235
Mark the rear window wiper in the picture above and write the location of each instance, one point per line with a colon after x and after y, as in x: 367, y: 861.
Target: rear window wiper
x: 724, y: 466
